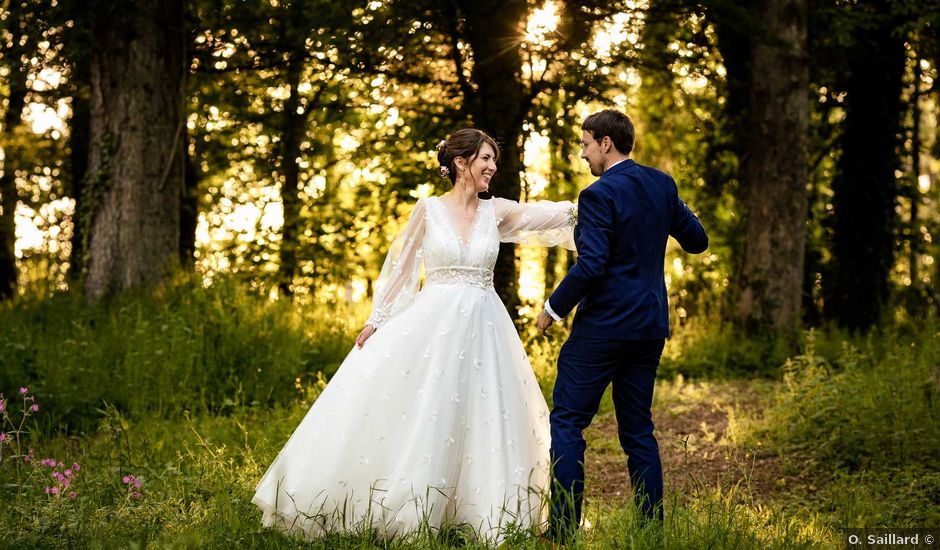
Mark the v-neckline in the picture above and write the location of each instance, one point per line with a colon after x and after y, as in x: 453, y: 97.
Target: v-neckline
x: 453, y: 227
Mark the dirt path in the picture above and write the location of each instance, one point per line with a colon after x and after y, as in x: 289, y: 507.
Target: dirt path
x: 692, y: 427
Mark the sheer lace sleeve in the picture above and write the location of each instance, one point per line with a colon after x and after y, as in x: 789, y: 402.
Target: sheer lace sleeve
x: 543, y: 223
x: 399, y: 281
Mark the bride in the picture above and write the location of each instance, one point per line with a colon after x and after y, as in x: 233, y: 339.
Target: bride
x: 435, y: 418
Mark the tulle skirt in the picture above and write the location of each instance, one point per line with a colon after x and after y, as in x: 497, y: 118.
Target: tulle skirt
x: 438, y: 420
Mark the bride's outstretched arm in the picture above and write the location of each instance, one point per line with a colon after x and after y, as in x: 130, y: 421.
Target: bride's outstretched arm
x: 544, y: 223
x: 398, y: 283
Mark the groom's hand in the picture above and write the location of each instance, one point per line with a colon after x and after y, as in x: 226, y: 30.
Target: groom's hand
x: 543, y: 322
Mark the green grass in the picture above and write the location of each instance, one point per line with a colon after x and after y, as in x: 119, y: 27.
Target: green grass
x: 198, y: 475
x: 194, y: 390
x: 861, y: 426
x: 184, y: 348
x: 703, y: 350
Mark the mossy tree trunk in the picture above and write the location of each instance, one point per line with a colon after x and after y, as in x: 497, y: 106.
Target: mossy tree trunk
x: 136, y: 149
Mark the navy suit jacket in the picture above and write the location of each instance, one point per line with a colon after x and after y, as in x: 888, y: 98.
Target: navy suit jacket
x: 624, y: 221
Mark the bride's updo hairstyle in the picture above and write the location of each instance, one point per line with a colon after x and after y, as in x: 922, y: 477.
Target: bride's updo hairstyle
x: 465, y: 143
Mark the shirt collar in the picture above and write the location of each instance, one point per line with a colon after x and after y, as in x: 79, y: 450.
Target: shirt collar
x: 611, y: 167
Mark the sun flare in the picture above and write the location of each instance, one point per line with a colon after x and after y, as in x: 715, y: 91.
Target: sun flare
x: 541, y: 24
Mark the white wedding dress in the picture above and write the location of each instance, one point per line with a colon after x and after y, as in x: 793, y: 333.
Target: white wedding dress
x: 438, y: 419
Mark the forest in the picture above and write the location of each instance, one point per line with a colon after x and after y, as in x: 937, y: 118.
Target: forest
x: 196, y: 198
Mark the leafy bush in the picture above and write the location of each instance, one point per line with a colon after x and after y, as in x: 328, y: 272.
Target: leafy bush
x: 703, y: 350
x: 862, y: 427
x: 184, y: 347
x: 867, y: 407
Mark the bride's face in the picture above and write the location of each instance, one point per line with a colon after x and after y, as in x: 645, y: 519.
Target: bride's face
x: 480, y: 170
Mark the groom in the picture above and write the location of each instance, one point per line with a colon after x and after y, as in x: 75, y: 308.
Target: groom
x: 620, y: 329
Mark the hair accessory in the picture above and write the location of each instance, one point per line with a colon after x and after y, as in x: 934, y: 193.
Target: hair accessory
x: 445, y: 171
x: 441, y: 144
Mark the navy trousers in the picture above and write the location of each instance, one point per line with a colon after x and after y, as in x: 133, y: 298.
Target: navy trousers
x: 586, y: 366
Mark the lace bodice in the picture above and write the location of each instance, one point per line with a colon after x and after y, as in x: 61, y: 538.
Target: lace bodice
x: 431, y: 240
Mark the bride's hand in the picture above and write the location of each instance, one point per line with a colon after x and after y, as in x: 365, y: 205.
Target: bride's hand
x: 367, y: 331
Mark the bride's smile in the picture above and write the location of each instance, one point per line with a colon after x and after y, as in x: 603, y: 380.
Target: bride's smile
x: 475, y: 174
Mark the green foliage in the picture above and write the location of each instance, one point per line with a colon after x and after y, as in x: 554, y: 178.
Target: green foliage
x: 241, y: 87
x: 889, y: 497
x: 717, y: 351
x: 866, y: 407
x: 197, y: 476
x: 146, y: 378
x: 708, y: 518
x: 185, y: 347
x: 861, y: 424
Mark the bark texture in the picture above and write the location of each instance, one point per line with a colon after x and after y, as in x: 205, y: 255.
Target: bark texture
x: 294, y: 127
x: 13, y: 52
x: 769, y: 293
x: 189, y: 207
x: 136, y: 152
x: 499, y: 105
x: 79, y: 135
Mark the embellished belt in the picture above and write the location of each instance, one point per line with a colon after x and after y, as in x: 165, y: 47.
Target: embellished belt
x: 480, y: 277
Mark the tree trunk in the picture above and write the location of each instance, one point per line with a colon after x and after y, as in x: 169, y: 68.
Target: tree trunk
x: 914, y: 228
x: 499, y: 106
x: 136, y: 152
x: 189, y: 198
x: 189, y: 206
x: 79, y: 134
x: 775, y: 171
x: 865, y: 191
x: 736, y: 48
x: 732, y: 21
x: 13, y: 52
x: 294, y: 128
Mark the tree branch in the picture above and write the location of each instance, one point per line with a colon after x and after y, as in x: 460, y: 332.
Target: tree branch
x: 452, y: 19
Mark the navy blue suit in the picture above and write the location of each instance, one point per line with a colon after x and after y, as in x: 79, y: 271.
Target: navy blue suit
x: 619, y: 330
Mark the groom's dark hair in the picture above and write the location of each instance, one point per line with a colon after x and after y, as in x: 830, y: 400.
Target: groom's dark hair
x: 613, y: 124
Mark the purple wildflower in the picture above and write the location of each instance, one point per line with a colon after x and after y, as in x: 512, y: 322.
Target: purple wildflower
x: 3, y: 436
x: 136, y: 495
x: 34, y: 408
x: 72, y: 495
x: 132, y: 481
x: 24, y: 391
x: 3, y: 405
x: 76, y: 467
